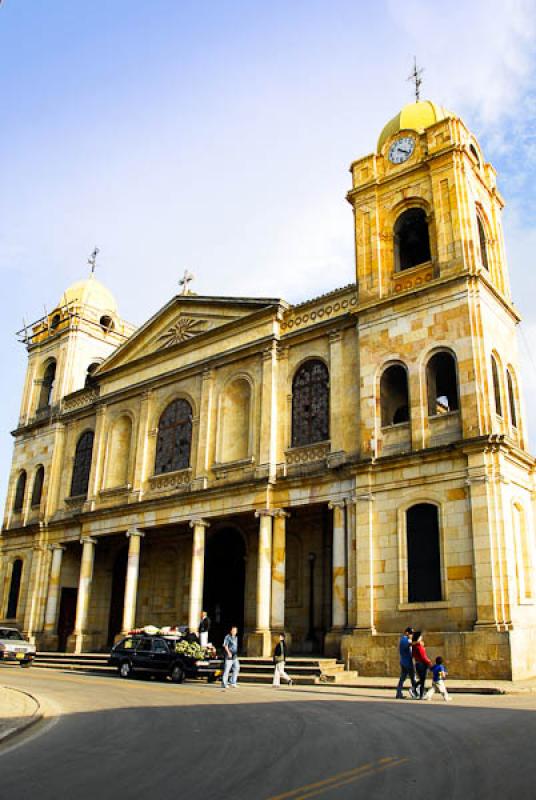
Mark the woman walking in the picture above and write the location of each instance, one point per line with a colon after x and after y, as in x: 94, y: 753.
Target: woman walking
x: 422, y: 662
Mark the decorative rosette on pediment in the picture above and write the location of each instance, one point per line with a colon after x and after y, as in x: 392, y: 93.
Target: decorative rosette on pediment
x: 183, y: 329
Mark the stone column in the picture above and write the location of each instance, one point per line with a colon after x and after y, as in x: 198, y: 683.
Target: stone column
x: 332, y: 640
x: 80, y: 637
x: 198, y: 571
x: 259, y: 643
x: 141, y: 467
x: 278, y: 571
x: 131, y: 583
x: 338, y: 610
x: 53, y: 590
x: 95, y: 475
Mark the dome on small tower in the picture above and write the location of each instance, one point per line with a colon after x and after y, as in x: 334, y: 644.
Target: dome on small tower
x: 415, y: 117
x: 89, y: 292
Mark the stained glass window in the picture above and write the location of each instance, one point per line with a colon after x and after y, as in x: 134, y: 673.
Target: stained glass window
x: 310, y: 404
x: 174, y: 438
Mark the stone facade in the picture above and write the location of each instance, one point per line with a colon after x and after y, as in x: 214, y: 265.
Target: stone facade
x: 341, y: 468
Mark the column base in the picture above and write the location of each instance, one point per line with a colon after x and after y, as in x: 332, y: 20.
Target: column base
x: 46, y: 642
x: 332, y: 643
x: 80, y: 643
x: 258, y: 643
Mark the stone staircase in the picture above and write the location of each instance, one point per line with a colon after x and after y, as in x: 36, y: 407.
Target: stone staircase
x: 304, y: 671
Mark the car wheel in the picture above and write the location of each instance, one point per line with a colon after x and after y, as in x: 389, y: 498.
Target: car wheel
x: 125, y: 669
x: 177, y: 674
x: 26, y: 664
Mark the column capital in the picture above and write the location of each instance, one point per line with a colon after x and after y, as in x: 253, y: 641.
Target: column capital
x: 337, y: 504
x: 363, y: 498
x: 196, y: 522
x: 334, y: 336
x: 280, y: 512
x: 134, y: 532
x: 87, y: 540
x: 56, y: 547
x: 266, y: 512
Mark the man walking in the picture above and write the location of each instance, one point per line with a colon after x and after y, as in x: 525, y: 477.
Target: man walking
x: 231, y: 665
x: 204, y: 627
x: 407, y: 670
x: 280, y: 656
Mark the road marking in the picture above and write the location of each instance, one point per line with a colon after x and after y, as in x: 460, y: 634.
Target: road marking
x: 340, y: 779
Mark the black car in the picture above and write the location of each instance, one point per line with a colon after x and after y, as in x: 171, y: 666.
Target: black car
x: 156, y: 655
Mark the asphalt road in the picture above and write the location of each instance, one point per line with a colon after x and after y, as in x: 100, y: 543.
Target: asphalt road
x: 110, y: 738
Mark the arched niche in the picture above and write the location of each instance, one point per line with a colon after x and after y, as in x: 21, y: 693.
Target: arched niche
x: 118, y: 456
x: 235, y: 413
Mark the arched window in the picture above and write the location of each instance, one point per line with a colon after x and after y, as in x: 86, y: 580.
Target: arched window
x: 511, y: 399
x: 442, y: 384
x: 424, y: 561
x: 14, y: 589
x: 37, y: 490
x: 412, y: 239
x: 20, y: 491
x: 47, y: 386
x: 474, y: 152
x: 394, y: 395
x: 174, y: 437
x: 496, y: 386
x: 82, y: 464
x: 90, y: 380
x: 234, y: 419
x: 310, y: 404
x: 483, y: 242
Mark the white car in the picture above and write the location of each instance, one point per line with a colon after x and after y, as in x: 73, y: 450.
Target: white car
x: 13, y: 647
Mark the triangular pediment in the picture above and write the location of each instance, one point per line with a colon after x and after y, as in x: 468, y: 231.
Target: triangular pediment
x: 184, y: 318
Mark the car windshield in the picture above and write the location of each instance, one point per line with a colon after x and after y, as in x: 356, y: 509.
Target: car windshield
x: 6, y: 633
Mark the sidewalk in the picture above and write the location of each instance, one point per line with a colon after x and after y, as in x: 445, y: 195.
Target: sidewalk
x: 455, y: 686
x: 18, y: 710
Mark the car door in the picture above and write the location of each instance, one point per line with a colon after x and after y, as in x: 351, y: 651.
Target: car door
x: 160, y: 655
x: 143, y: 657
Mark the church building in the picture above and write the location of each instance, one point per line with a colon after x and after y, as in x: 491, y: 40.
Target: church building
x: 337, y: 469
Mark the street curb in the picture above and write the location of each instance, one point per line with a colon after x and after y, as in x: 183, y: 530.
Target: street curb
x: 479, y: 690
x: 36, y: 717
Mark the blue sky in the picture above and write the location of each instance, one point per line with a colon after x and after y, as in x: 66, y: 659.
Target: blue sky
x: 217, y: 136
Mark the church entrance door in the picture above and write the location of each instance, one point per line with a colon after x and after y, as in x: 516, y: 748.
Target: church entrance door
x: 224, y: 585
x: 119, y: 572
x: 66, y: 616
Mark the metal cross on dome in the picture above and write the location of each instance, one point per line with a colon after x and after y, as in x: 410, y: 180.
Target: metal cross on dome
x: 185, y: 281
x: 92, y: 260
x: 416, y: 78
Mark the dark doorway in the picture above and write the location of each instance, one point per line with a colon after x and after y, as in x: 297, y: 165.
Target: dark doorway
x: 424, y: 562
x: 118, y: 595
x: 224, y: 586
x: 66, y: 617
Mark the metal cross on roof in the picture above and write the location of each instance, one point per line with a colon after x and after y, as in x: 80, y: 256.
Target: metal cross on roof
x: 92, y: 260
x: 185, y: 281
x: 416, y: 78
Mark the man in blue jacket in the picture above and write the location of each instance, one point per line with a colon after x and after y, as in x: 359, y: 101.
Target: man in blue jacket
x: 407, y: 669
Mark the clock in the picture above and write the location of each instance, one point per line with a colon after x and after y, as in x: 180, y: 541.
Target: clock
x: 401, y: 150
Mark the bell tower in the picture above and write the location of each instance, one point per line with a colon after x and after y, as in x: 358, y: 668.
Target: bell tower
x: 431, y: 274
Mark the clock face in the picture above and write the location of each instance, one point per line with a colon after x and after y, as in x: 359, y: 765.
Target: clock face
x: 401, y: 150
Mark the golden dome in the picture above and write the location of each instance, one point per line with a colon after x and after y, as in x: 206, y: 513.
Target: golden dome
x: 414, y: 117
x: 90, y: 292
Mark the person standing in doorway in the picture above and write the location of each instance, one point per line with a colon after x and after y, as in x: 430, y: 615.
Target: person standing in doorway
x: 280, y: 656
x: 231, y: 666
x: 407, y: 670
x: 204, y: 627
x: 422, y: 662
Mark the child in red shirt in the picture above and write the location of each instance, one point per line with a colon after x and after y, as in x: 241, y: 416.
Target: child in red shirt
x: 422, y: 662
